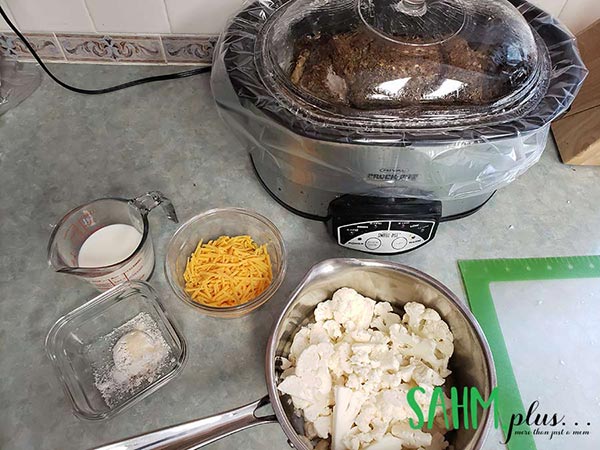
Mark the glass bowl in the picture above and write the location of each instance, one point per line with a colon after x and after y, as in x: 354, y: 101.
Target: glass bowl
x: 211, y: 225
x: 80, y: 346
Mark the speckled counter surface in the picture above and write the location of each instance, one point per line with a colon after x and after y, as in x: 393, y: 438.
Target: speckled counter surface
x: 58, y: 150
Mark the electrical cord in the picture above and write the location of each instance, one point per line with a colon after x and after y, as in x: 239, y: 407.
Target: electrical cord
x: 170, y: 76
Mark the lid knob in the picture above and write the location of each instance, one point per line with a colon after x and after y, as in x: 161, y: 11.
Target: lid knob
x: 413, y: 22
x: 415, y: 8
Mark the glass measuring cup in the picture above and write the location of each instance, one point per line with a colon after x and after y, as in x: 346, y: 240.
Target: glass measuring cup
x: 81, y: 222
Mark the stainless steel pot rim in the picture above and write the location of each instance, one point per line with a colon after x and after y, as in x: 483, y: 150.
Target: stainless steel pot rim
x: 282, y: 418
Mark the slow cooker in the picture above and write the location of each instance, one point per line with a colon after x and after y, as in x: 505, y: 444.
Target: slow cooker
x: 386, y: 117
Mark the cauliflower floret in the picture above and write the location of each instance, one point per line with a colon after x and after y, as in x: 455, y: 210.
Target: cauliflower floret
x: 387, y: 442
x: 384, y: 317
x: 314, y: 359
x: 411, y: 438
x: 382, y: 308
x: 299, y: 343
x: 401, y: 337
x: 318, y: 334
x: 424, y: 350
x: 324, y: 311
x: 361, y: 354
x: 322, y: 426
x: 347, y: 406
x: 355, y: 439
x: 311, y: 384
x: 426, y: 322
x: 352, y: 310
x: 305, y: 397
x: 377, y: 337
x: 360, y: 336
x: 393, y: 380
x: 358, y: 440
x: 339, y: 363
x: 353, y: 381
x: 389, y: 360
x: 367, y: 413
x: 333, y: 329
x: 394, y: 405
x: 424, y: 375
x: 436, y: 353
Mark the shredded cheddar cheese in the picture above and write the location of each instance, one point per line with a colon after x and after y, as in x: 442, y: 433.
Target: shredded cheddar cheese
x: 228, y: 271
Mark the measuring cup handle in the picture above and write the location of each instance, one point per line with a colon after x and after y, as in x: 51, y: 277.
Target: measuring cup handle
x: 151, y: 200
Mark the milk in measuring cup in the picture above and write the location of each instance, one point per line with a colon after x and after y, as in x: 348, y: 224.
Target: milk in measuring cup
x: 109, y: 245
x: 113, y: 244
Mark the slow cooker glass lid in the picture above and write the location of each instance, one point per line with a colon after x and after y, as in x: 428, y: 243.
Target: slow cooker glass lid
x: 403, y: 59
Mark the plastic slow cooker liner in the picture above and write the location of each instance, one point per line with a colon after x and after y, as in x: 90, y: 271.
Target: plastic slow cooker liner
x: 523, y: 70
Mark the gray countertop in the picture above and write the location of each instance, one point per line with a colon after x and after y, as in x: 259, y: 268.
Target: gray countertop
x: 59, y: 150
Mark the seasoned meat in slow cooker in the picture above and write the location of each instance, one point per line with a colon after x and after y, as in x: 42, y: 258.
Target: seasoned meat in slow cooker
x: 360, y: 70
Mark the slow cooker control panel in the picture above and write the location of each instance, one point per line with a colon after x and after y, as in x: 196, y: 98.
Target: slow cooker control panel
x: 386, y: 237
x: 383, y: 225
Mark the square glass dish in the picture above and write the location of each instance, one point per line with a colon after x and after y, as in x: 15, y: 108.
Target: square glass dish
x: 81, y: 344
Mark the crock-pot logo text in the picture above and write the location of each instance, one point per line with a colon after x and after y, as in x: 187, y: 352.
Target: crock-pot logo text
x: 392, y: 175
x: 465, y: 406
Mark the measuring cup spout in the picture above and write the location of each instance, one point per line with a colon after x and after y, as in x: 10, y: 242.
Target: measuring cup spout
x: 54, y: 259
x: 151, y: 200
x: 65, y: 269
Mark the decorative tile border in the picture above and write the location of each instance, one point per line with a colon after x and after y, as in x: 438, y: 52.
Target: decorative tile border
x: 95, y: 48
x: 45, y: 45
x: 189, y: 49
x: 114, y: 49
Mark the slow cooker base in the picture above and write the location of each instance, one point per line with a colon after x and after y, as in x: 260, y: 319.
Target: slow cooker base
x: 325, y: 218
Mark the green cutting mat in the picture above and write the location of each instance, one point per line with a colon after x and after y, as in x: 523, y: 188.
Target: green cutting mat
x: 477, y: 276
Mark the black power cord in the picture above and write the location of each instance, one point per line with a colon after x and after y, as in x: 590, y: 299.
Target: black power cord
x: 170, y: 76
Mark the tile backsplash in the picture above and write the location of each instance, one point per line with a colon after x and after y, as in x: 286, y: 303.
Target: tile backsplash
x: 50, y: 15
x: 128, y: 16
x: 161, y: 31
x: 200, y: 16
x: 120, y: 16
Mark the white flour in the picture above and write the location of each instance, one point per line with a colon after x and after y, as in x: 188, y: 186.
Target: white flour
x: 140, y: 355
x: 137, y: 353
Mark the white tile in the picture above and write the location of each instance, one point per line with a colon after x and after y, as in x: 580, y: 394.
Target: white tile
x: 553, y: 7
x: 200, y: 16
x: 580, y: 14
x: 51, y: 15
x: 129, y: 16
x: 3, y: 25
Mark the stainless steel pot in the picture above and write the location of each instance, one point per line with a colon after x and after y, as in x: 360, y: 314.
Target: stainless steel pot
x: 472, y: 363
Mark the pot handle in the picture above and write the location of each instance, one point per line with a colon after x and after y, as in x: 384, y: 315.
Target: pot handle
x: 151, y: 200
x: 197, y: 433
